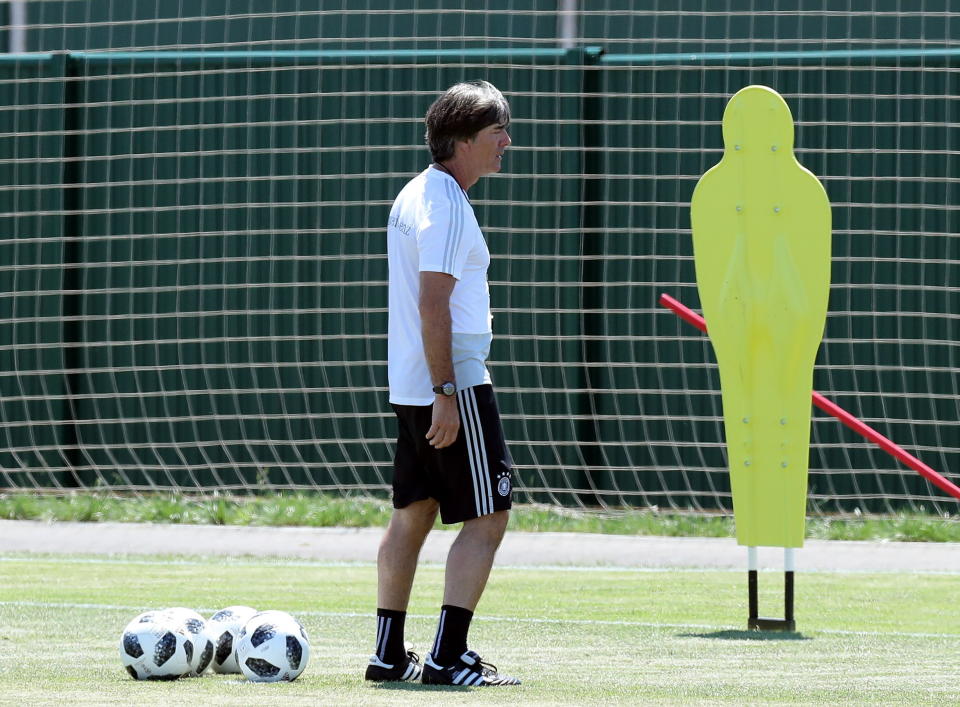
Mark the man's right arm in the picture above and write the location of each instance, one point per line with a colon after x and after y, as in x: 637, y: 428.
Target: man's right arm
x: 435, y: 291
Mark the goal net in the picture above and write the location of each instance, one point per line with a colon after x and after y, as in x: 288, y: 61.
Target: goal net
x: 193, y: 272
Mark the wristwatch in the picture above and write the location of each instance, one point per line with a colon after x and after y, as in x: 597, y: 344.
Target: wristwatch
x: 449, y: 389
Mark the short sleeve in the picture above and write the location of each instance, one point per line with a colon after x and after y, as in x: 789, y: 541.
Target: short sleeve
x: 441, y: 240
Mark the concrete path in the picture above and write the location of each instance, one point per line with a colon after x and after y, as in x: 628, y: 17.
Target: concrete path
x: 518, y: 549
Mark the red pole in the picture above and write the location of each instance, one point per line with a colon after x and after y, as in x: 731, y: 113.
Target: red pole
x: 838, y: 412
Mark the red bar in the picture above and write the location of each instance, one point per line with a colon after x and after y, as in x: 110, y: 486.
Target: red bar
x: 831, y: 408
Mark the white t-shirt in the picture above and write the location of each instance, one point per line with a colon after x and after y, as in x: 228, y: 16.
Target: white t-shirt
x: 432, y: 228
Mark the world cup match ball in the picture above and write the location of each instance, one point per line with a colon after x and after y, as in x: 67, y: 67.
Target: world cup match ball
x: 194, y: 625
x: 146, y: 617
x: 153, y: 648
x: 272, y: 647
x: 223, y: 628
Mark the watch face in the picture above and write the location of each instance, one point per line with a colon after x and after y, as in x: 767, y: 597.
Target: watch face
x: 447, y: 389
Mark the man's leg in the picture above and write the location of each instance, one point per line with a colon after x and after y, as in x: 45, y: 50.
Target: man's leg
x: 479, y: 493
x: 471, y: 557
x: 396, y: 567
x: 399, y: 551
x: 468, y: 568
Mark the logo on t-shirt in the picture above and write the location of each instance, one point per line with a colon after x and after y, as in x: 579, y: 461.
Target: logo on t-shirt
x: 395, y: 222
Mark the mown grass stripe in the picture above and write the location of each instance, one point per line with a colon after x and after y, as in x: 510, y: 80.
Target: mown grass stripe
x: 227, y: 560
x: 494, y: 619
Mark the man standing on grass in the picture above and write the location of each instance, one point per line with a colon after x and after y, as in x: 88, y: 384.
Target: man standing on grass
x: 451, y: 456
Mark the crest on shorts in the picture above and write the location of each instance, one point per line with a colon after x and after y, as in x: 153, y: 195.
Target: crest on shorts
x: 503, y: 485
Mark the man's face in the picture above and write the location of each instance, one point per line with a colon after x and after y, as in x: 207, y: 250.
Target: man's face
x: 487, y: 147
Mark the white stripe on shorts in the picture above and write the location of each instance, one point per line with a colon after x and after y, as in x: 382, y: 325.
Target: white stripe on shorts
x: 477, y: 452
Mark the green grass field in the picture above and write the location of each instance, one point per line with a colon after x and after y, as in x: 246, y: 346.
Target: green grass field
x: 575, y: 636
x: 330, y: 510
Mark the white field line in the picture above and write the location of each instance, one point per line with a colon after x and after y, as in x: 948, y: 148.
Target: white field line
x: 493, y: 619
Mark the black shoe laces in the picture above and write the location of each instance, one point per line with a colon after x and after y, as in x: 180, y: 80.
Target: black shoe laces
x: 487, y: 669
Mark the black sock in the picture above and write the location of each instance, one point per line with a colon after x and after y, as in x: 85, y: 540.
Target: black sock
x: 389, y: 647
x: 451, y: 640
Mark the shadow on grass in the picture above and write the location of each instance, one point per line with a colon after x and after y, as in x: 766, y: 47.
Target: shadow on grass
x: 420, y: 687
x: 731, y: 635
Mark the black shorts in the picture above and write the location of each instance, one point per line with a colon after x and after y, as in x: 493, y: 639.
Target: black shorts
x: 471, y: 477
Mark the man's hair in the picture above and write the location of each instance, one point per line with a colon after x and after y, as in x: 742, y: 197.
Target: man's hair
x: 460, y: 113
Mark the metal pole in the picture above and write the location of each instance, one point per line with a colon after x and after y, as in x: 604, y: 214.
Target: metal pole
x: 789, y: 566
x: 18, y: 27
x: 567, y: 24
x: 754, y: 620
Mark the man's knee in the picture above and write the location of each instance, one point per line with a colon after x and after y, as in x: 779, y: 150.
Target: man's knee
x: 488, y: 528
x: 414, y: 520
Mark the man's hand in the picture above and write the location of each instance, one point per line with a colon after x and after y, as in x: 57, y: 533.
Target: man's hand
x: 446, y: 422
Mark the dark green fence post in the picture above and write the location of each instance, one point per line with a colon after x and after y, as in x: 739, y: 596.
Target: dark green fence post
x: 71, y: 283
x: 592, y: 270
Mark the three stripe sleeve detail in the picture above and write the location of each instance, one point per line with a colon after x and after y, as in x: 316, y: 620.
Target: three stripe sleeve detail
x: 455, y: 234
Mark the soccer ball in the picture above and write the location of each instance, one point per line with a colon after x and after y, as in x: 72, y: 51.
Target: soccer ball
x: 145, y: 617
x: 223, y: 628
x: 152, y: 648
x: 272, y: 646
x: 194, y: 625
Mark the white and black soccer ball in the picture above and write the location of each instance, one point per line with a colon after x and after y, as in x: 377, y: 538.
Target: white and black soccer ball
x: 152, y: 648
x: 146, y: 617
x: 272, y: 647
x: 194, y: 625
x: 223, y: 628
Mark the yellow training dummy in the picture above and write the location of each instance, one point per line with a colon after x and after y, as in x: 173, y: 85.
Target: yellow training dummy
x: 761, y: 238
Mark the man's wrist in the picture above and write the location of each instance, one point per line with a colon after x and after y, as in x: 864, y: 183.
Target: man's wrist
x: 446, y: 389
